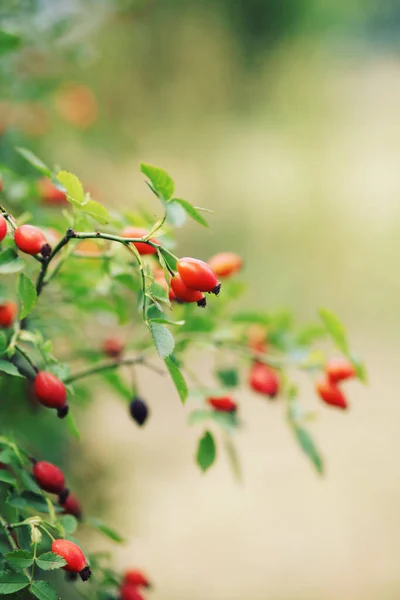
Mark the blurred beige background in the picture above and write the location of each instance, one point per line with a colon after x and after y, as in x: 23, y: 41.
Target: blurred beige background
x: 298, y: 153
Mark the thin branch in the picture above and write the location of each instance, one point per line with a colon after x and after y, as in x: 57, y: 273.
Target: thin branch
x: 107, y: 366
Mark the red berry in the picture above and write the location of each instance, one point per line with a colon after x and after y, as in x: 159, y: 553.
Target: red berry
x: 30, y: 239
x: 71, y: 506
x: 141, y: 247
x: 183, y: 293
x: 50, y: 194
x: 136, y: 578
x: 160, y: 279
x: 3, y: 228
x: 130, y: 592
x: 264, y: 380
x: 49, y: 477
x: 113, y: 347
x: 223, y: 404
x: 8, y: 312
x: 74, y: 557
x: 330, y: 393
x: 225, y: 264
x: 198, y: 275
x: 339, y: 370
x: 51, y: 392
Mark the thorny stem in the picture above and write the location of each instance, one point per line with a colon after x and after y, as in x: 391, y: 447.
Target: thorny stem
x: 107, y: 366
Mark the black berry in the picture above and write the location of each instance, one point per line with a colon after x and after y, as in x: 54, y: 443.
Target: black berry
x: 139, y: 411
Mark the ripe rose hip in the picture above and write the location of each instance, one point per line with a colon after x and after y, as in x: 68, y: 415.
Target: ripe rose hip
x: 136, y: 578
x: 339, y: 370
x: 264, y: 380
x: 139, y: 411
x: 225, y: 264
x: 74, y: 557
x: 130, y: 592
x: 160, y: 279
x: 223, y: 404
x: 141, y: 247
x: 51, y: 194
x: 198, y: 275
x: 330, y: 393
x: 113, y: 347
x: 3, y: 228
x: 49, y: 477
x: 184, y: 294
x: 51, y: 392
x: 31, y: 240
x: 71, y: 506
x: 8, y: 312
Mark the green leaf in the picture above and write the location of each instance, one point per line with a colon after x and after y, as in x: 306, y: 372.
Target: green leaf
x: 3, y: 343
x: 116, y: 381
x: 50, y: 561
x: 69, y: 523
x: 160, y: 180
x: 9, y: 41
x: 361, y: 370
x: 28, y: 500
x: 233, y: 458
x: 228, y: 377
x: 43, y: 590
x: 100, y: 526
x: 7, y: 477
x: 19, y: 559
x: 309, y: 448
x: 166, y: 258
x: 96, y: 211
x: 71, y: 183
x: 70, y: 422
x: 11, y: 582
x: 157, y: 290
x: 177, y: 378
x: 27, y: 295
x: 10, y: 262
x: 251, y: 317
x: 176, y: 214
x: 335, y: 329
x: 206, y: 451
x: 34, y: 161
x: 163, y: 339
x: 191, y: 210
x: 9, y: 368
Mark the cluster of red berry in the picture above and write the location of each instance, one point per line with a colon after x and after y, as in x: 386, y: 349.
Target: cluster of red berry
x: 327, y: 386
x: 131, y: 585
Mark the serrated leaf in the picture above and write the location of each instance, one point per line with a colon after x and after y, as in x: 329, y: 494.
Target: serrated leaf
x: 206, y: 452
x: 335, y: 329
x: 7, y: 477
x: 11, y: 582
x: 71, y: 183
x: 27, y: 294
x: 50, y: 561
x: 178, y: 379
x: 10, y: 262
x: 191, y: 210
x: 9, y: 41
x: 160, y: 180
x: 9, y: 368
x: 97, y: 211
x: 69, y: 522
x: 163, y: 339
x: 309, y: 448
x: 34, y: 161
x: 19, y: 559
x: 108, y: 531
x: 43, y: 590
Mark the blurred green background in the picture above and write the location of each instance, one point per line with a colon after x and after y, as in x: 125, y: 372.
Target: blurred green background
x: 282, y: 117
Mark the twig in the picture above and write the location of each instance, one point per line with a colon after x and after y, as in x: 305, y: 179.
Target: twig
x: 106, y: 366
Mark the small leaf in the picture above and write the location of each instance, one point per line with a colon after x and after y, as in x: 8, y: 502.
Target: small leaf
x: 100, y: 526
x: 7, y: 477
x: 163, y: 339
x: 9, y: 368
x: 309, y: 448
x: 69, y: 523
x: 27, y: 295
x: 50, y: 561
x: 228, y: 377
x: 10, y: 262
x: 160, y: 180
x: 11, y: 582
x: 19, y: 559
x: 191, y: 210
x: 206, y: 451
x: 9, y: 41
x: 34, y: 161
x: 335, y: 329
x: 3, y: 343
x: 97, y: 211
x: 167, y: 258
x: 177, y: 378
x: 70, y: 422
x: 43, y: 590
x: 71, y: 183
